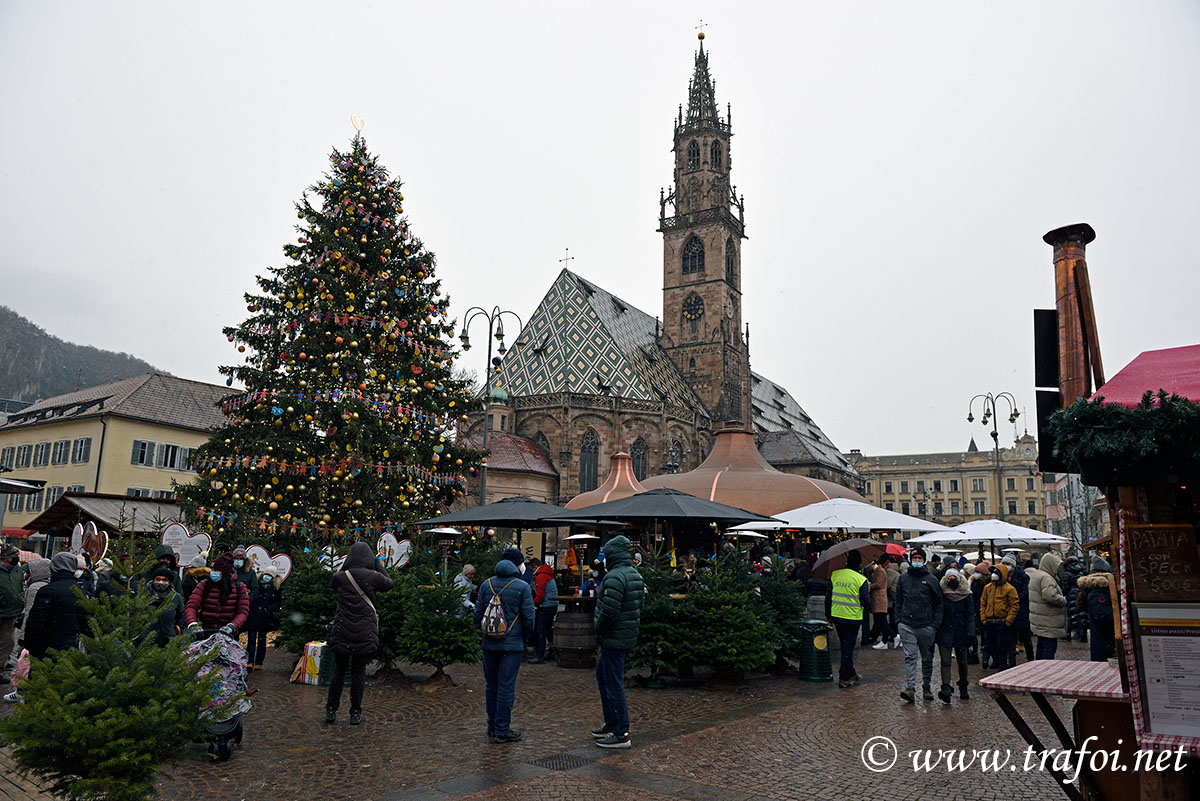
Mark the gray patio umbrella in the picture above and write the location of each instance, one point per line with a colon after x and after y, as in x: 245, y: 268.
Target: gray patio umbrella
x: 662, y: 504
x: 834, y: 558
x: 515, y: 512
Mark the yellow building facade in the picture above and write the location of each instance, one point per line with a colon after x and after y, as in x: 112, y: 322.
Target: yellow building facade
x: 132, y: 437
x: 958, y: 487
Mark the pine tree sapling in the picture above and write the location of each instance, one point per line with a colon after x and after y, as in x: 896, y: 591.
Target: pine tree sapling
x: 348, y: 421
x: 308, y: 604
x: 96, y: 724
x: 435, y: 630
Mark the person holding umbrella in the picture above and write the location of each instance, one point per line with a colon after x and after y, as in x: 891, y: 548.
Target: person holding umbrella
x: 845, y: 605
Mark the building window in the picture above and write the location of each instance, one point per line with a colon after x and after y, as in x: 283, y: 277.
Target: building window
x: 1010, y: 484
x: 868, y: 487
x: 922, y: 509
x: 504, y: 422
x: 81, y: 450
x: 638, y: 454
x: 730, y: 262
x: 76, y: 488
x: 889, y: 506
x: 691, y: 365
x: 920, y: 485
x: 937, y: 485
x: 542, y: 442
x: 33, y: 502
x: 1012, y: 507
x: 1029, y: 485
x: 693, y: 155
x: 62, y: 452
x: 937, y: 508
x: 1033, y: 507
x: 716, y: 156
x: 16, y: 503
x: 41, y: 455
x: 589, y: 461
x: 904, y: 486
x: 138, y: 492
x: 163, y: 495
x: 904, y: 508
x: 977, y: 485
x: 887, y: 487
x: 175, y: 457
x: 954, y: 485
x: 143, y: 453
x: 52, y: 495
x: 693, y: 255
x: 24, y: 454
x: 979, y: 508
x: 7, y: 456
x: 953, y: 507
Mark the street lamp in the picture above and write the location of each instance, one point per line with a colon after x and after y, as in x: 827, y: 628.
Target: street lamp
x: 990, y: 413
x: 495, y: 333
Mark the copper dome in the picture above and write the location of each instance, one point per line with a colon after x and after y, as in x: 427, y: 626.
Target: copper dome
x: 735, y: 473
x: 620, y: 483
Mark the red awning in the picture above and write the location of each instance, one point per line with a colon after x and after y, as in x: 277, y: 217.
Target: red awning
x: 14, y: 533
x: 1176, y: 370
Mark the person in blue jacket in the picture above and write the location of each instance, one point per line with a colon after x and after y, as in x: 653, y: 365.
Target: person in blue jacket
x: 502, y: 655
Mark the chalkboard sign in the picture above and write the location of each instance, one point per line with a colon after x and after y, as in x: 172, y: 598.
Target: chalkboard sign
x: 1164, y: 562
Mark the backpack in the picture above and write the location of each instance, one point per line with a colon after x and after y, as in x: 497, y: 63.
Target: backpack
x: 494, y: 624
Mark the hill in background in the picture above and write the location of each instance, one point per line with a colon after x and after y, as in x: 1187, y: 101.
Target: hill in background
x: 36, y: 365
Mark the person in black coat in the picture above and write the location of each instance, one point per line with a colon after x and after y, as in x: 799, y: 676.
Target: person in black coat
x: 1020, y: 630
x: 169, y: 622
x: 56, y: 619
x: 265, y: 609
x: 355, y: 636
x: 957, y: 631
x: 1077, y: 622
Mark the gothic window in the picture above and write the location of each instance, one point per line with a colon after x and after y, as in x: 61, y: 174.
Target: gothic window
x: 638, y: 454
x: 589, y: 461
x: 693, y: 155
x: 693, y: 255
x: 540, y: 440
x: 691, y: 365
x: 716, y: 156
x: 730, y: 261
x: 693, y: 312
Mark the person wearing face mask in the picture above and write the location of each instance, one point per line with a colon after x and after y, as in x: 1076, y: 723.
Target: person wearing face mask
x: 265, y: 610
x: 170, y: 620
x: 244, y: 572
x: 998, y: 607
x: 219, y: 602
x: 956, y: 632
x: 197, y: 572
x: 164, y: 556
x: 919, y: 611
x: 56, y: 620
x: 12, y: 602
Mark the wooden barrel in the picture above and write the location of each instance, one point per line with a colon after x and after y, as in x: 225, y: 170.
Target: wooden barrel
x: 574, y: 639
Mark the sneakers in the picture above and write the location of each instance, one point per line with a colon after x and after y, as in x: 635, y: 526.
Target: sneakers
x: 846, y: 683
x: 926, y: 693
x: 602, y: 732
x: 879, y: 646
x: 355, y: 717
x: 896, y: 641
x: 945, y: 694
x: 908, y: 694
x: 13, y: 698
x: 508, y: 737
x: 330, y: 715
x: 615, y: 741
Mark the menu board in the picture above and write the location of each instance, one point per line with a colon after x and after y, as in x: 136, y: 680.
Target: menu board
x: 1169, y: 647
x: 1164, y: 563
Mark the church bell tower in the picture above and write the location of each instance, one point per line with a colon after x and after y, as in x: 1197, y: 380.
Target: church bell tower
x: 702, y: 263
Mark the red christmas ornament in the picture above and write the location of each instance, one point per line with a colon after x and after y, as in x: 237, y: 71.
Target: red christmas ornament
x: 416, y: 369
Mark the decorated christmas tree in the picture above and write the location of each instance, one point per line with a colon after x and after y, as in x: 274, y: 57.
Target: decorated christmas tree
x: 347, y: 424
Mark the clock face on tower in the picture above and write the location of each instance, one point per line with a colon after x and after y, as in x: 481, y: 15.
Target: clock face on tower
x: 693, y: 308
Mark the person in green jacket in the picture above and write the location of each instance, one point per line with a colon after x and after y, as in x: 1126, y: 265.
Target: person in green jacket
x: 12, y: 603
x: 617, y: 619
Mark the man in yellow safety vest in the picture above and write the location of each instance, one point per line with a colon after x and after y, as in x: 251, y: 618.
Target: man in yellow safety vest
x: 844, y: 605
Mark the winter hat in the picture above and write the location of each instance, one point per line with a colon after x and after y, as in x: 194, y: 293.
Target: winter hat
x: 9, y: 551
x: 198, y: 561
x: 271, y: 571
x: 513, y: 555
x: 953, y: 573
x: 1100, y: 565
x: 239, y: 552
x: 224, y: 564
x: 1009, y: 560
x: 918, y: 552
x: 162, y: 571
x: 983, y: 568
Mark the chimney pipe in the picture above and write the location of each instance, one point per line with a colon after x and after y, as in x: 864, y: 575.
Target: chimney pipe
x: 1070, y: 245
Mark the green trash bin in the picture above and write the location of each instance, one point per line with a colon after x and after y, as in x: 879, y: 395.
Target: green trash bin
x: 815, y: 664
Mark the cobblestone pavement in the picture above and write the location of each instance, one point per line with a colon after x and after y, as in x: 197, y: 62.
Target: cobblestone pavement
x: 764, y: 738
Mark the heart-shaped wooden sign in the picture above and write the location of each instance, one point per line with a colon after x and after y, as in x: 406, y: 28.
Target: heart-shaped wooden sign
x: 186, y: 546
x: 393, y: 552
x: 94, y: 543
x: 77, y: 539
x: 260, y: 560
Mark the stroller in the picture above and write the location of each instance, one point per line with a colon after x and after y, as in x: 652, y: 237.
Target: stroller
x: 223, y: 715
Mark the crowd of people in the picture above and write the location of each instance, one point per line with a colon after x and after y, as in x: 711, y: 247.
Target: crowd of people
x: 40, y: 606
x: 954, y: 611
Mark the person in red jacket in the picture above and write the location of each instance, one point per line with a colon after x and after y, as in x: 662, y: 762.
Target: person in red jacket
x: 545, y: 589
x: 219, y: 602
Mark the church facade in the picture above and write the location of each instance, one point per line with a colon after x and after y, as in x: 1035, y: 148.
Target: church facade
x: 595, y: 376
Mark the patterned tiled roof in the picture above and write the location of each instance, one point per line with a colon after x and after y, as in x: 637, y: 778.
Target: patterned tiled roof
x: 775, y: 410
x: 583, y: 339
x: 154, y: 397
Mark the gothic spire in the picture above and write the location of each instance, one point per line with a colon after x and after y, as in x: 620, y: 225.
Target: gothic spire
x: 702, y: 93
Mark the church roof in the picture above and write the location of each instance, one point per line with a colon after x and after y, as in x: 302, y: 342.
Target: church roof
x: 702, y: 95
x: 585, y: 340
x: 513, y: 453
x: 787, y: 435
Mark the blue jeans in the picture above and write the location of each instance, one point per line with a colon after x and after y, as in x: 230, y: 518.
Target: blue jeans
x: 610, y: 676
x: 847, y: 631
x: 500, y: 673
x: 542, y: 624
x: 1047, y: 647
x: 256, y: 646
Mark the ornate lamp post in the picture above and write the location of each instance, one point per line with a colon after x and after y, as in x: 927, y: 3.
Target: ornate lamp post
x: 989, y: 413
x: 495, y: 324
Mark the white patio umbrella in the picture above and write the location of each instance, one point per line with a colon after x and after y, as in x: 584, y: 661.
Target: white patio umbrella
x: 842, y: 513
x: 991, y: 531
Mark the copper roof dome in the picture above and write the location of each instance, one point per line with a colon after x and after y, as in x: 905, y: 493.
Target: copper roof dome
x: 735, y: 473
x: 620, y: 483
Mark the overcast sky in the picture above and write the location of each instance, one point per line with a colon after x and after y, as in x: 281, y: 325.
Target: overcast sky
x: 900, y: 163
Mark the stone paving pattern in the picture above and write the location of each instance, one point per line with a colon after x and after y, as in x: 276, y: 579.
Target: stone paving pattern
x: 769, y: 737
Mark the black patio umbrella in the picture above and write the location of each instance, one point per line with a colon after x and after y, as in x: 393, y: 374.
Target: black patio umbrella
x: 515, y: 512
x: 662, y: 504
